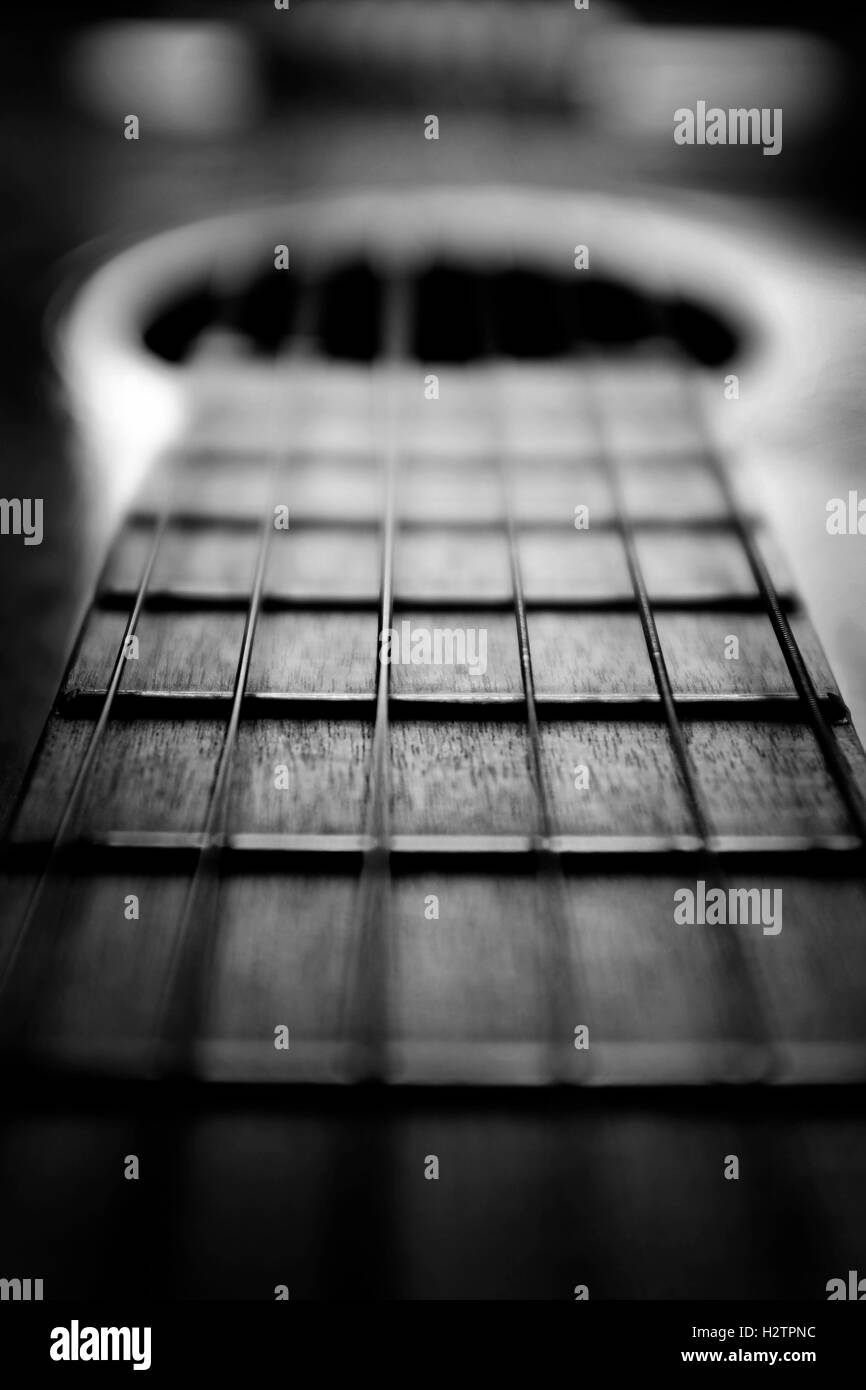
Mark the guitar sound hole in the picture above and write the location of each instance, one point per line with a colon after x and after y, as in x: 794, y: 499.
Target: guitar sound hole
x: 530, y: 315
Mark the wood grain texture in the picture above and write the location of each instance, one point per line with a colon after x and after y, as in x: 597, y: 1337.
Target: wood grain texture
x: 148, y: 775
x: 454, y: 777
x: 328, y: 762
x: 502, y: 675
x: 59, y: 758
x: 694, y: 650
x: 764, y: 779
x: 184, y: 652
x: 314, y: 652
x: 589, y: 654
x: 100, y: 643
x: 153, y: 775
x: 634, y: 788
x: 189, y: 652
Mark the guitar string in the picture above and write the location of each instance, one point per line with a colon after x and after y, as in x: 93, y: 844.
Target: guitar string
x: 365, y: 1003
x: 730, y: 947
x: 561, y: 956
x: 186, y: 983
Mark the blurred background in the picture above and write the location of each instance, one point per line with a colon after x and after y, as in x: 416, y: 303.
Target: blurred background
x: 249, y: 102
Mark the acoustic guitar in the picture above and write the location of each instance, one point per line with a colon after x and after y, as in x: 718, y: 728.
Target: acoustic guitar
x: 447, y: 778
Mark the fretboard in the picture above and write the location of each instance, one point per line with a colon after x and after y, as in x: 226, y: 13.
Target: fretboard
x: 240, y: 820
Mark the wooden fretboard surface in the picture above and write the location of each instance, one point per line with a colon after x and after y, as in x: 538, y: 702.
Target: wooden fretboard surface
x: 304, y: 905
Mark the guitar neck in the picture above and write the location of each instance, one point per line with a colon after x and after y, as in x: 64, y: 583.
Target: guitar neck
x: 252, y: 849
